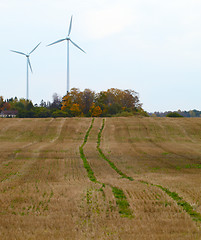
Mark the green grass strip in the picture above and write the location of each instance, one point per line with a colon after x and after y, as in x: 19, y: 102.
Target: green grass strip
x: 121, y: 200
x: 189, y: 166
x: 123, y: 175
x: 122, y: 203
x: 198, y: 166
x: 179, y: 200
x: 86, y: 163
x: 186, y: 206
x: 87, y: 166
x: 87, y: 133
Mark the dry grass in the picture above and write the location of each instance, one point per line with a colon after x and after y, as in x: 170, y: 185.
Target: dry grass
x: 45, y: 192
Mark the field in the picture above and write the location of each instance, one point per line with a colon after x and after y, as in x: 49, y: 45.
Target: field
x: 111, y: 178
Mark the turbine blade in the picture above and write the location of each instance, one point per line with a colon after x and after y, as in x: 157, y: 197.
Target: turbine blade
x: 34, y: 48
x: 70, y: 26
x: 77, y: 46
x: 29, y: 64
x: 61, y: 40
x: 18, y: 52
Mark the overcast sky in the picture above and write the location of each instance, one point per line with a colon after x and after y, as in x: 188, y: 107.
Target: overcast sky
x: 150, y: 46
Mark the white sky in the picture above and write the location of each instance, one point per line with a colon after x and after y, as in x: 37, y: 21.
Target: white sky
x: 150, y: 46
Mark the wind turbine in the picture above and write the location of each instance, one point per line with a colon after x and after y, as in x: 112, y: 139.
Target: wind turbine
x: 68, y: 40
x: 28, y: 65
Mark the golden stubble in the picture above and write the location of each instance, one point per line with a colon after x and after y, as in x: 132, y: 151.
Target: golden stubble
x: 45, y: 192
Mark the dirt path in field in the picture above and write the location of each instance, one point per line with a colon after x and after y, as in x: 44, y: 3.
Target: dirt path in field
x: 59, y: 130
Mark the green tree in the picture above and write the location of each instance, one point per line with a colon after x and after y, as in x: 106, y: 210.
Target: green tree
x: 43, y: 112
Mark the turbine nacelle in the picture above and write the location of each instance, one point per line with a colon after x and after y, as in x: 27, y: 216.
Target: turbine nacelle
x: 67, y: 38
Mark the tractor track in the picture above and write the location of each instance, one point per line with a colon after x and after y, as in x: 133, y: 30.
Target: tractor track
x: 196, y: 216
x: 121, y: 200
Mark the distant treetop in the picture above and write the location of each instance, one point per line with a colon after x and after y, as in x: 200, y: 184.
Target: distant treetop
x: 106, y: 103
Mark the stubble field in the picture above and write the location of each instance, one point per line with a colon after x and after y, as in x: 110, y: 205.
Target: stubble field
x: 113, y: 178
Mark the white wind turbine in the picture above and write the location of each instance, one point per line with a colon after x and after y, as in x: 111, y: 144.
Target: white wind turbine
x: 28, y: 65
x: 68, y: 40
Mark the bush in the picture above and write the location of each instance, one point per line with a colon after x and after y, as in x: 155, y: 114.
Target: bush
x: 59, y: 113
x: 124, y: 114
x: 26, y: 114
x: 43, y: 112
x: 173, y: 114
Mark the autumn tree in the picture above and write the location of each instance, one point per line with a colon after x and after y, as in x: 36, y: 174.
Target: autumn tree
x: 6, y: 106
x: 130, y: 100
x: 66, y: 102
x: 72, y: 97
x: 76, y: 99
x: 96, y: 111
x: 75, y: 110
x: 87, y: 99
x: 75, y: 95
x: 114, y: 101
x: 1, y: 102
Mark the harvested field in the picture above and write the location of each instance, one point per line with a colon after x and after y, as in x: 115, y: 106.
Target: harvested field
x: 113, y: 178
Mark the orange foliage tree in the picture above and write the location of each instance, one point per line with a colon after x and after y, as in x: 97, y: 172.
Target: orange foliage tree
x: 96, y: 111
x: 1, y: 102
x: 105, y: 103
x: 6, y: 106
x: 66, y: 102
x: 75, y: 110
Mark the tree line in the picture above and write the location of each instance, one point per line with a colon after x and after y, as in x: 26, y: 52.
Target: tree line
x: 76, y: 103
x: 188, y: 114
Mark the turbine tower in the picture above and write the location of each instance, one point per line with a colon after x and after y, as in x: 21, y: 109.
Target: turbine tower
x: 28, y: 65
x: 68, y: 40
